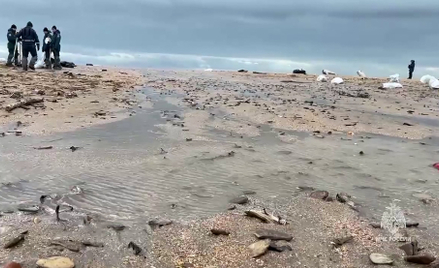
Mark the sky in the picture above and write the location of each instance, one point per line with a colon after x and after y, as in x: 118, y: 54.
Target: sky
x: 379, y: 37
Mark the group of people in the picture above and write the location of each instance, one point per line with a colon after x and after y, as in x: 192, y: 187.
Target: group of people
x: 31, y: 44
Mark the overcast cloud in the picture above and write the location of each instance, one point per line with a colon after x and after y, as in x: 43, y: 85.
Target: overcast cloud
x: 379, y: 37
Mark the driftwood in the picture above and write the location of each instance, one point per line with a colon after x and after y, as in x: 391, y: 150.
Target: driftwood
x: 264, y: 216
x: 22, y: 104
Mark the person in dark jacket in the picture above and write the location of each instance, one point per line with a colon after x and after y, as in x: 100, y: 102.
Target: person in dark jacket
x: 11, y: 45
x: 47, y: 47
x: 29, y: 40
x: 411, y: 68
x: 56, y: 47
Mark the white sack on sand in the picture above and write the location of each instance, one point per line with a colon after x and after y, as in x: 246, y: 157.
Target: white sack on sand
x: 392, y: 85
x: 322, y: 78
x: 337, y: 80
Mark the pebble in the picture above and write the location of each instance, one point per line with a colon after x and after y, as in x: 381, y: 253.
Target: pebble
x: 319, y: 195
x: 37, y: 220
x: 33, y: 209
x: 12, y: 265
x: 272, y: 234
x: 420, y: 259
x: 159, y: 223
x: 56, y: 262
x: 378, y: 258
x: 279, y: 246
x: 259, y: 248
x: 219, y: 232
x: 240, y: 200
x: 14, y: 242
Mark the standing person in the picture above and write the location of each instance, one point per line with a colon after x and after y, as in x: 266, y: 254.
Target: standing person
x: 11, y: 45
x: 29, y: 40
x: 47, y: 48
x: 56, y: 47
x: 411, y: 68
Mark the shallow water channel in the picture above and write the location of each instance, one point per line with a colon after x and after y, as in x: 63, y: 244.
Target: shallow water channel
x: 134, y: 169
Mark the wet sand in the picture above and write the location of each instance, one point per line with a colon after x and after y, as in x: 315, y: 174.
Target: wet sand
x: 230, y: 107
x: 298, y: 102
x: 72, y: 98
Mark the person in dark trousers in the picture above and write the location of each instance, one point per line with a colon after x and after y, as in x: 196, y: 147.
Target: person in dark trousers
x: 11, y: 45
x: 411, y: 68
x: 56, y: 47
x: 29, y: 40
x: 47, y: 47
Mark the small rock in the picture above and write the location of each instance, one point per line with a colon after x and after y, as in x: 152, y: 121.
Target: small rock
x: 188, y: 139
x: 279, y: 246
x: 104, y: 70
x: 88, y: 64
x: 71, y: 95
x: 272, y: 235
x: 93, y: 244
x: 361, y: 153
x: 159, y: 223
x: 116, y: 227
x: 420, y: 259
x: 43, y: 148
x: 72, y: 246
x: 219, y: 232
x: 12, y: 265
x: 34, y: 209
x: 231, y: 207
x: 342, y: 197
x: 378, y: 258
x: 249, y: 192
x: 259, y: 248
x: 137, y: 250
x: 240, y: 200
x: 56, y: 262
x: 14, y: 242
x: 37, y: 220
x: 319, y: 195
x: 74, y: 148
x: 341, y: 241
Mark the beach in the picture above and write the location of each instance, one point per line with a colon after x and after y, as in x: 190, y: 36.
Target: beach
x: 163, y: 159
x: 72, y: 98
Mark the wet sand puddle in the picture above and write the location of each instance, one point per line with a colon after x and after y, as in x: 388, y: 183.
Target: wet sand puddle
x: 136, y: 169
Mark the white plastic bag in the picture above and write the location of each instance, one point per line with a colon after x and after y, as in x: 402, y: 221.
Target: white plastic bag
x: 394, y: 78
x: 426, y: 78
x: 39, y: 64
x: 322, y: 78
x: 433, y: 83
x: 391, y: 85
x: 327, y: 72
x: 337, y: 80
x: 361, y: 74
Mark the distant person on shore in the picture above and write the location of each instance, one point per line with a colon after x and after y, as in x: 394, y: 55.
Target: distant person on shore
x: 47, y: 48
x: 411, y: 68
x: 11, y: 46
x: 29, y: 41
x: 56, y: 47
